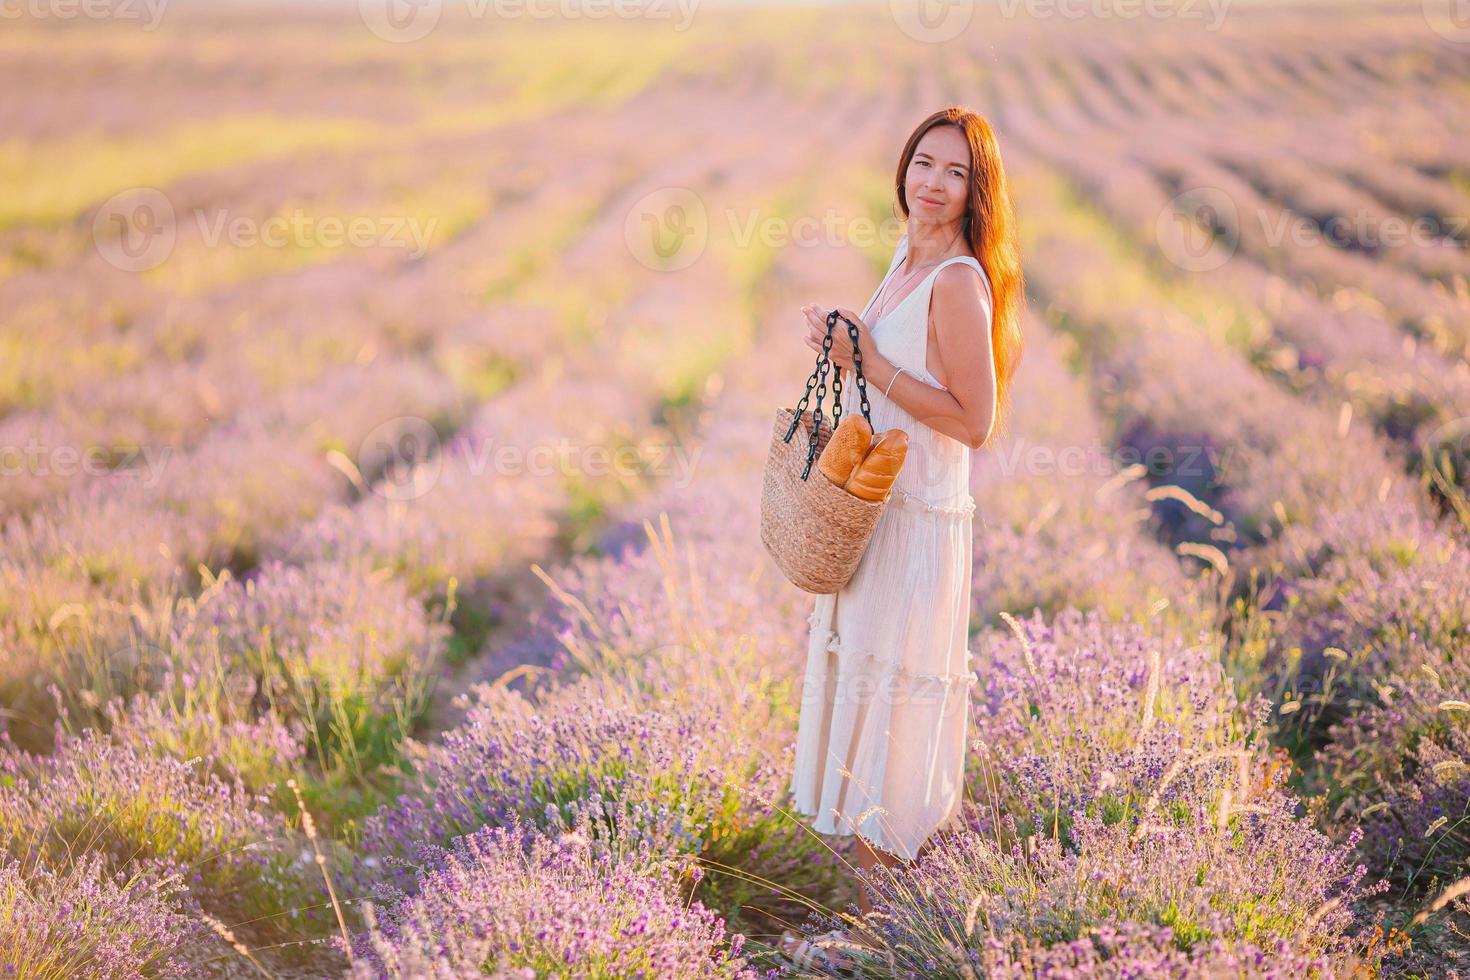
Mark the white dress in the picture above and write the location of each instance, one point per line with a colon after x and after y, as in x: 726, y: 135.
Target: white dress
x: 880, y: 745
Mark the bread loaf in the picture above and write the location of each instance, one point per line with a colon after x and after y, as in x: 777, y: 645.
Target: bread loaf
x: 846, y: 449
x: 873, y: 477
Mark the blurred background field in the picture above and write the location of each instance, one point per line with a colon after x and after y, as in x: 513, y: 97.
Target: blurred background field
x: 384, y: 395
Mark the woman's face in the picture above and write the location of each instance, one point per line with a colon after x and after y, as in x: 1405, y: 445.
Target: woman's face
x: 938, y: 177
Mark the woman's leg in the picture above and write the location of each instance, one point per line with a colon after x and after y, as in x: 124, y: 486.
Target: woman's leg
x: 868, y: 858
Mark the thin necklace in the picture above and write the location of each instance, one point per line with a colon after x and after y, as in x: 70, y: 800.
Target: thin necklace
x: 882, y: 307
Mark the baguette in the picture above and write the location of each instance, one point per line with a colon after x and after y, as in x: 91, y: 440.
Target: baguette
x: 873, y: 477
x: 846, y: 449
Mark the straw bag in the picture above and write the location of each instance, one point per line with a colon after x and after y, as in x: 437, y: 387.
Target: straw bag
x: 815, y: 530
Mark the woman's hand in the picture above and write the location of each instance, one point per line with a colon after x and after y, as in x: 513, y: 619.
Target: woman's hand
x: 841, y: 352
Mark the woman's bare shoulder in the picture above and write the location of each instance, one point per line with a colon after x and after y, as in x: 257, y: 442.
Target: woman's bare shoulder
x: 961, y: 277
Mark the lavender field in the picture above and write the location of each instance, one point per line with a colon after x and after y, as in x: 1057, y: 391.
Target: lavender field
x: 384, y: 399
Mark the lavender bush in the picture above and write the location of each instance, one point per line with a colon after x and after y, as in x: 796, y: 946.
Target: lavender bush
x: 1232, y: 882
x: 86, y: 921
x: 540, y: 760
x: 346, y: 653
x: 508, y: 902
x: 1080, y: 713
x: 1401, y: 769
x: 143, y: 813
x: 674, y: 778
x: 206, y: 716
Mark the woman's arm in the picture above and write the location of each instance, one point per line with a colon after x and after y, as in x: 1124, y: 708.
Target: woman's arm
x: 965, y: 409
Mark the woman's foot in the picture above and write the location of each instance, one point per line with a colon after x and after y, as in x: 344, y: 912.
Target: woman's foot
x: 825, y: 951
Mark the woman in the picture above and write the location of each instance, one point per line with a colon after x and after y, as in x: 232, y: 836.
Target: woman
x: 882, y: 732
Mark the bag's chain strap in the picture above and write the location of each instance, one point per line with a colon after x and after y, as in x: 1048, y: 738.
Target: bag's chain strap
x: 818, y: 380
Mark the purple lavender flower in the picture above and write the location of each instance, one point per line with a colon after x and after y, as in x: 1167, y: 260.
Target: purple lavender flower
x: 508, y: 901
x: 83, y: 921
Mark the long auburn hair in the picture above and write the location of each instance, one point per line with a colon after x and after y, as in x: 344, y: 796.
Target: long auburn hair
x: 989, y: 226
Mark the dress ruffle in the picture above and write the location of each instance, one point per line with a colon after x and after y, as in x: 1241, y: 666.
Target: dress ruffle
x: 909, y: 503
x: 850, y: 655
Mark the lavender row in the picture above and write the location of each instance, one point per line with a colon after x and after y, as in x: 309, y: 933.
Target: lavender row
x: 1348, y: 598
x: 407, y: 310
x: 424, y: 535
x: 1337, y: 351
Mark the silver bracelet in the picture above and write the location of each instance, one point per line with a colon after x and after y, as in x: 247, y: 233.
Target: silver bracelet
x: 893, y: 379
